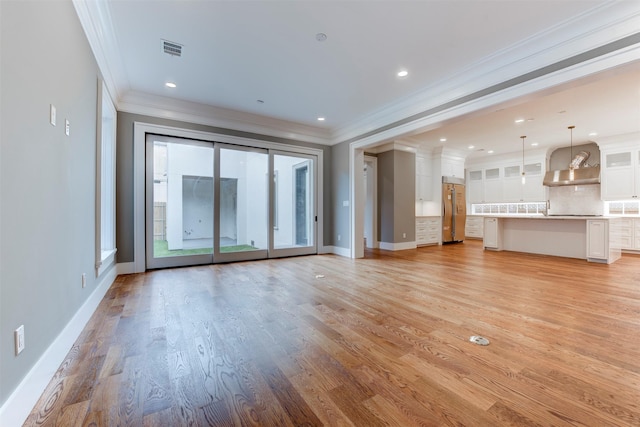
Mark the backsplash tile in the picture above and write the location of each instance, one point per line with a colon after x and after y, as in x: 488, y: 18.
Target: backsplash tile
x: 575, y: 200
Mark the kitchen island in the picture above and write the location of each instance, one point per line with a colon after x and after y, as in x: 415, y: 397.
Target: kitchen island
x: 594, y: 238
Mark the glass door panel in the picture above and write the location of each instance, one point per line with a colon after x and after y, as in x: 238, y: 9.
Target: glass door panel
x: 179, y: 202
x: 294, y: 205
x: 242, y: 198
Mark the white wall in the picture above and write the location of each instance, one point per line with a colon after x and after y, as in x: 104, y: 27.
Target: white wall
x: 256, y: 200
x: 191, y: 161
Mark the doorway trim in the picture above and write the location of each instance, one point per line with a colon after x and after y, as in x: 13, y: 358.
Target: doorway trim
x: 140, y: 129
x: 373, y: 161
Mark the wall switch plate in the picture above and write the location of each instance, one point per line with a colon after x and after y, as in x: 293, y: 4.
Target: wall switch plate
x: 18, y: 336
x: 67, y: 128
x: 84, y: 279
x: 52, y: 114
x: 404, y: 235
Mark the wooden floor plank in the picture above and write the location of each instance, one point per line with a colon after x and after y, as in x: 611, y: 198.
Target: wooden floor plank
x: 383, y: 340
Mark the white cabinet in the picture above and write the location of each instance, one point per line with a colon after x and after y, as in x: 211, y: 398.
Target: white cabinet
x: 492, y: 234
x: 512, y: 184
x: 424, y: 183
x: 475, y: 190
x: 452, y: 166
x: 428, y: 230
x: 424, y: 188
x: 492, y: 185
x: 474, y: 227
x: 602, y: 240
x: 626, y: 233
x: 501, y: 181
x: 629, y: 234
x: 533, y: 190
x: 620, y: 171
x: 597, y: 239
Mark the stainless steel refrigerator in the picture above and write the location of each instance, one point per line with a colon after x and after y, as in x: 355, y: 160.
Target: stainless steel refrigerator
x: 454, y: 209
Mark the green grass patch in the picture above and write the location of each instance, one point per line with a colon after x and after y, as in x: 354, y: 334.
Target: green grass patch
x: 161, y: 249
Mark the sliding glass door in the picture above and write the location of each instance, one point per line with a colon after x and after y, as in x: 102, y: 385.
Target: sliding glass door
x: 179, y: 202
x: 242, y: 199
x: 294, y: 205
x: 212, y: 202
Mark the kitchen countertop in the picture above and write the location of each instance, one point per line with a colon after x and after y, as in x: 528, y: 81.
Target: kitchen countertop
x: 565, y: 235
x: 533, y: 216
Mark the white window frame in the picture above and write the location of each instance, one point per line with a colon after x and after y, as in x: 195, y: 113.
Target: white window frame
x: 105, y: 180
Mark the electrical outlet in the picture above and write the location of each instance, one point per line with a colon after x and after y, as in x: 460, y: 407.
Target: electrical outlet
x: 18, y: 336
x: 404, y: 235
x: 67, y: 127
x: 84, y: 279
x: 52, y: 114
x: 339, y: 237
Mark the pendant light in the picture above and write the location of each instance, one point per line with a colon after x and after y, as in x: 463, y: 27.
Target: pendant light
x: 571, y: 174
x: 523, y: 178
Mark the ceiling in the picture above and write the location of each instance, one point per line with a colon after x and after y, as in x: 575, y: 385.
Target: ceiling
x: 263, y: 59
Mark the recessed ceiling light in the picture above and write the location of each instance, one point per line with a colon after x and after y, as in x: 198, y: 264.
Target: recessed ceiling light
x: 443, y: 139
x: 490, y: 152
x: 321, y: 119
x: 519, y: 120
x: 403, y: 73
x: 534, y: 144
x: 471, y: 147
x: 170, y: 84
x: 259, y: 101
x: 321, y: 37
x: 593, y: 134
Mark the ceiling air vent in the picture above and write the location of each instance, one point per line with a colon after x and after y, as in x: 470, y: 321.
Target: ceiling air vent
x: 171, y: 48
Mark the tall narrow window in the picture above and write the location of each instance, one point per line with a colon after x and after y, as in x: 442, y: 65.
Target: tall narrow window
x: 105, y: 181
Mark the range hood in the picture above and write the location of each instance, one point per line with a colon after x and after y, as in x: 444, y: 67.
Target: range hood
x: 581, y: 176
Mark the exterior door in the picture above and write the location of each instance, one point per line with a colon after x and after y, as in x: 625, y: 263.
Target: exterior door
x: 293, y: 205
x: 179, y: 202
x: 242, y: 203
x: 211, y: 202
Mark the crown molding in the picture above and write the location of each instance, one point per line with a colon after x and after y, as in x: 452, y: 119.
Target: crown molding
x: 393, y: 146
x: 428, y: 109
x: 595, y: 28
x: 96, y: 22
x: 192, y: 112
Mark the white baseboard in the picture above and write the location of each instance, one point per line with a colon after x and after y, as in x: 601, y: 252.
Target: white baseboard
x: 397, y: 246
x: 19, y: 405
x: 337, y: 250
x: 126, y: 267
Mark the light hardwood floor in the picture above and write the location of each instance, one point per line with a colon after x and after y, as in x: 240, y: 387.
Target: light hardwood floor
x: 327, y: 340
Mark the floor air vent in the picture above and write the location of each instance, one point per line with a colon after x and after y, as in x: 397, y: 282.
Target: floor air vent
x: 479, y: 340
x: 171, y: 48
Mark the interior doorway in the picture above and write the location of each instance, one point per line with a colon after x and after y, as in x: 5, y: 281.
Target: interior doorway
x: 371, y: 202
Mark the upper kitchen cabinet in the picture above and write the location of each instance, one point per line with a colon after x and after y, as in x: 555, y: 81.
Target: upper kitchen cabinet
x: 475, y: 186
x: 500, y: 181
x: 424, y: 184
x: 492, y: 185
x: 533, y: 190
x: 620, y: 179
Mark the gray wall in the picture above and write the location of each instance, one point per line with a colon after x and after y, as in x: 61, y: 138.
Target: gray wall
x: 124, y: 175
x: 396, y: 196
x: 47, y: 179
x: 340, y: 189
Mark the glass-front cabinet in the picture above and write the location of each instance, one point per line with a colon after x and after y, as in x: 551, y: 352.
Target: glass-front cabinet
x: 620, y: 173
